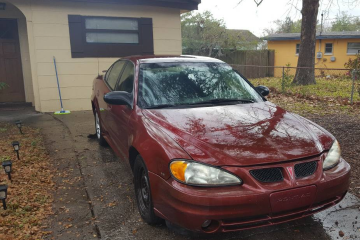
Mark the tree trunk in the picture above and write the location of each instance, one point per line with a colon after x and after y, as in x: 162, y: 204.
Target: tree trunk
x: 305, y: 73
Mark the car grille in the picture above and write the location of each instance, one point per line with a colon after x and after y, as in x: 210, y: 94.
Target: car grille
x: 305, y: 169
x: 267, y: 175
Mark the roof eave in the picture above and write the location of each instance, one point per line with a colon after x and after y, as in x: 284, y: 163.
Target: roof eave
x: 317, y: 37
x: 178, y: 4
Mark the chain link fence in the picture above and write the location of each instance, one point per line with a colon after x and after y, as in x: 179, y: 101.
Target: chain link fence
x: 331, y: 83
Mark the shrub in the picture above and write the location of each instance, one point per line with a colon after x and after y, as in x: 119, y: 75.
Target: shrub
x: 3, y: 85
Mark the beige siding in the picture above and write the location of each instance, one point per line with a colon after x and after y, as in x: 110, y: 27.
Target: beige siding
x: 48, y: 28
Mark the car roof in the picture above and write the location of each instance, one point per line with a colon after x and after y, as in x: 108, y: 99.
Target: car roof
x: 171, y: 58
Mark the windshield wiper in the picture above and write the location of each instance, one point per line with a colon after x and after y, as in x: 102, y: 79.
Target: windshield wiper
x: 224, y: 100
x: 213, y: 101
x: 162, y: 106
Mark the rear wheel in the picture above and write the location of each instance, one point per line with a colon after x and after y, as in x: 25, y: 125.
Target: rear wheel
x: 98, y: 130
x: 143, y: 192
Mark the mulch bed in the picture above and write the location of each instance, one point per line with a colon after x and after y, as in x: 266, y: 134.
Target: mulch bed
x: 29, y: 199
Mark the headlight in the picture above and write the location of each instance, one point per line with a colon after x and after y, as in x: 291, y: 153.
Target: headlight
x: 333, y: 157
x: 198, y: 174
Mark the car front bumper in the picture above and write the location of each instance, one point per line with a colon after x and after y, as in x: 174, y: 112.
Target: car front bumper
x: 250, y: 205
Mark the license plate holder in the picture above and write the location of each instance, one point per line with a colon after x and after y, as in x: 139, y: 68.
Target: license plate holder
x: 292, y: 199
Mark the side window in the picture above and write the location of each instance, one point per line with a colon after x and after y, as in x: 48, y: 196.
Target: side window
x: 114, y: 74
x: 107, y: 73
x: 127, y: 79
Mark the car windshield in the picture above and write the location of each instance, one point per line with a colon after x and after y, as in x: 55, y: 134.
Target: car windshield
x: 191, y: 84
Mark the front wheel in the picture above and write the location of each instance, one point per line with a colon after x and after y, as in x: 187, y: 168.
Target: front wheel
x: 98, y: 130
x: 143, y: 192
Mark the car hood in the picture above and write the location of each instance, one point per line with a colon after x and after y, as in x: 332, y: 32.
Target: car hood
x: 243, y: 134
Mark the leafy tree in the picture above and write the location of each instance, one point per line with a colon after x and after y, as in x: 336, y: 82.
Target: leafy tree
x: 202, y: 34
x: 345, y: 22
x: 284, y: 26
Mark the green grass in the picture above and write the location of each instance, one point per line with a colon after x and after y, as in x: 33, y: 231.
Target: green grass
x: 332, y: 89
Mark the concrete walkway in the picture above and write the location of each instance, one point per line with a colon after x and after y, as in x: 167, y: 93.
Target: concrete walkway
x: 97, y: 192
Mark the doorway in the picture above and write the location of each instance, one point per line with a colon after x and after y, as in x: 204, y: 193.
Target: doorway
x: 10, y: 62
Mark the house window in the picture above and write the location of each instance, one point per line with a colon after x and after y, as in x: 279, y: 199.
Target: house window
x: 111, y: 30
x: 297, y: 48
x: 353, y: 48
x: 328, y: 48
x: 110, y: 36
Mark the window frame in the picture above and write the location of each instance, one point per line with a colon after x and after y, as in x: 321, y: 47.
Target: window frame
x: 297, y: 49
x: 80, y: 48
x: 347, y: 49
x: 332, y: 49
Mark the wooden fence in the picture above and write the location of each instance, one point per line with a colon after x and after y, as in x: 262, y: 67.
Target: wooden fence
x: 248, y: 58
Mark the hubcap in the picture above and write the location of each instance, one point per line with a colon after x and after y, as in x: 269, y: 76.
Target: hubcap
x: 144, y: 192
x: 97, y: 126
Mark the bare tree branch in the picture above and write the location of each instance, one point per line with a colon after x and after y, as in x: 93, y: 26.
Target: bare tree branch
x: 258, y: 2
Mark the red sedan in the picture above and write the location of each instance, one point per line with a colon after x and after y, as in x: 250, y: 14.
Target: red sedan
x: 208, y: 152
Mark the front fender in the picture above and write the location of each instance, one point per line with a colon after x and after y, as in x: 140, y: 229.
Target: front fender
x: 156, y: 147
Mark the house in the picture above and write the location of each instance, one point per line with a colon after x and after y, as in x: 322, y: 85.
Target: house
x: 245, y: 39
x: 333, y: 49
x: 85, y: 37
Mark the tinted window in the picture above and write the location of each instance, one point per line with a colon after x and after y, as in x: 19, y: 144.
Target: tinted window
x: 114, y: 74
x: 127, y: 79
x: 191, y: 83
x: 107, y: 73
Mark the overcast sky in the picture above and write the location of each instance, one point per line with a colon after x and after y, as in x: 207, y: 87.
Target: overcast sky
x: 247, y: 16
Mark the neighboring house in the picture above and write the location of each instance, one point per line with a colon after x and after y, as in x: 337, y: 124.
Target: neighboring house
x: 245, y: 39
x: 333, y: 49
x: 86, y: 37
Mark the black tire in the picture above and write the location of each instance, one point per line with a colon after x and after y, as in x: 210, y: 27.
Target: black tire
x: 98, y: 131
x: 143, y: 192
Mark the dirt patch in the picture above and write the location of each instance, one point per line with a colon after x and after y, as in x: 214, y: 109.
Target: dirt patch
x: 29, y: 193
x: 346, y: 129
x: 341, y: 120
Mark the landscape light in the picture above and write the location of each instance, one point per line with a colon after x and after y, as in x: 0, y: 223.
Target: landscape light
x: 16, y: 146
x: 7, y: 167
x: 3, y: 195
x: 19, y: 125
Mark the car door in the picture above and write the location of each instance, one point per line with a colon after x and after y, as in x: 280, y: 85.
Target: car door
x: 121, y: 114
x: 111, y: 79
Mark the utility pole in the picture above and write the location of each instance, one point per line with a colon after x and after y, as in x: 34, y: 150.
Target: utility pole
x: 322, y: 18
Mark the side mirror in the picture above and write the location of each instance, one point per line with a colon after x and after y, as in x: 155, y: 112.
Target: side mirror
x: 119, y: 98
x: 264, y: 91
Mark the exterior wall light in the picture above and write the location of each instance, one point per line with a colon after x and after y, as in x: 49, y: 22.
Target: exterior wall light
x: 3, y: 195
x: 2, y: 6
x: 19, y: 125
x: 16, y: 146
x: 7, y: 167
